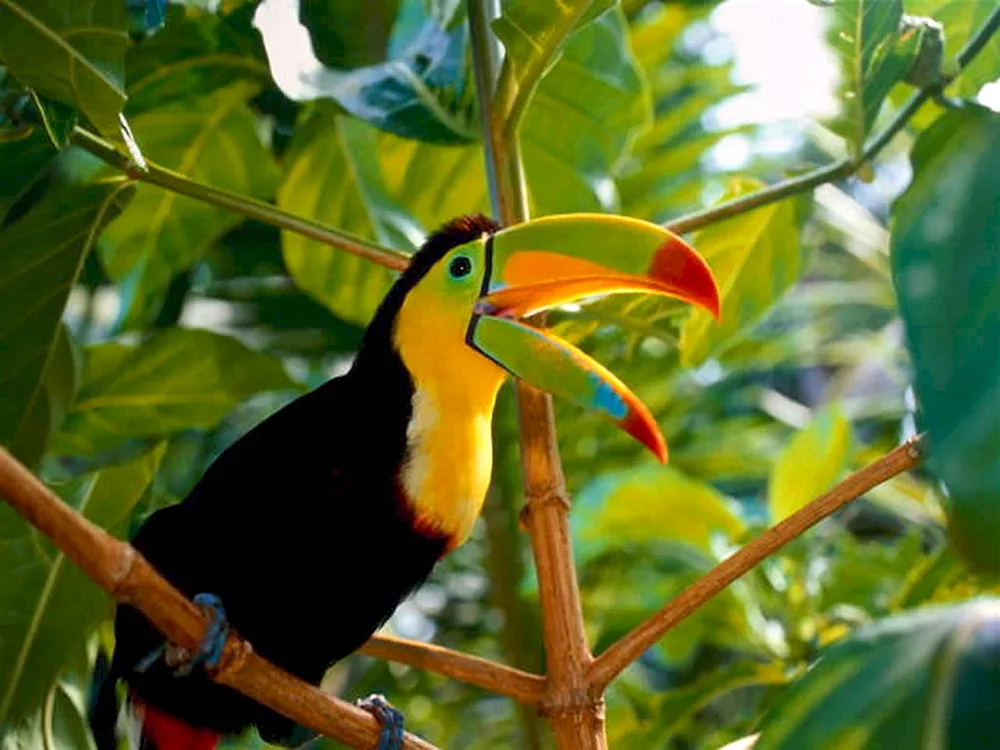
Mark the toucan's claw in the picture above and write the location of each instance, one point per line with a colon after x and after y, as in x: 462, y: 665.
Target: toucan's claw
x: 389, y: 717
x: 209, y: 652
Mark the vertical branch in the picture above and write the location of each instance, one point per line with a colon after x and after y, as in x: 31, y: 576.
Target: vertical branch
x: 578, y: 720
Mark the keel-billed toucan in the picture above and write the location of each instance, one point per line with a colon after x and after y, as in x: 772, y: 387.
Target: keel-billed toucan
x: 315, y: 525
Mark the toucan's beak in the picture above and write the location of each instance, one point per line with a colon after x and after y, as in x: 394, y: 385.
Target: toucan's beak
x: 560, y: 259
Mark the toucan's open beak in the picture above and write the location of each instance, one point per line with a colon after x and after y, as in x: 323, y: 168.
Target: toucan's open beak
x: 560, y: 259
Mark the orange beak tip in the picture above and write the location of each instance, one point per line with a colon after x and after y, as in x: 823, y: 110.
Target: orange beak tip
x: 640, y: 425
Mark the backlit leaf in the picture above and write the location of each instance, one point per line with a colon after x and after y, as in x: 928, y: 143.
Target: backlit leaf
x: 755, y: 258
x: 212, y: 139
x: 810, y: 464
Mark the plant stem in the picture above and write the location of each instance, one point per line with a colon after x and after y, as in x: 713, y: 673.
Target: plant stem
x: 577, y: 718
x: 242, y: 204
x: 617, y: 657
x: 840, y: 169
x: 497, y: 678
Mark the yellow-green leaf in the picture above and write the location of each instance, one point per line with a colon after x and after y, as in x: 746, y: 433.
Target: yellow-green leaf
x: 755, y: 257
x: 810, y: 464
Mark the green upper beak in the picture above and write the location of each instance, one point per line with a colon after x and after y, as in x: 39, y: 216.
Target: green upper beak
x: 555, y: 260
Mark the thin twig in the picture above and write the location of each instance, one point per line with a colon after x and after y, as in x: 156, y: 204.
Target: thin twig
x: 617, y: 657
x: 497, y: 678
x: 840, y: 169
x: 122, y: 571
x: 242, y: 204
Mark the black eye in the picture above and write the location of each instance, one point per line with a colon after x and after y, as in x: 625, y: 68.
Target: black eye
x: 460, y: 267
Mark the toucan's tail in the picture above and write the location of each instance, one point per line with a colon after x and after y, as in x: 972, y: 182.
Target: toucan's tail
x: 159, y: 730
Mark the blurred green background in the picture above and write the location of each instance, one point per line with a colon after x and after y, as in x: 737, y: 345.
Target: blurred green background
x: 142, y: 331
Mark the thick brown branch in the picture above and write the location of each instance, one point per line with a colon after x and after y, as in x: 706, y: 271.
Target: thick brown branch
x: 609, y: 664
x: 122, y: 571
x: 497, y: 678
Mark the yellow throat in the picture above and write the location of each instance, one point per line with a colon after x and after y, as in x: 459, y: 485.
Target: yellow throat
x: 449, y: 441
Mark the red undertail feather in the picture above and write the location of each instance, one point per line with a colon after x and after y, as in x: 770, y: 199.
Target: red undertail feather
x: 162, y: 731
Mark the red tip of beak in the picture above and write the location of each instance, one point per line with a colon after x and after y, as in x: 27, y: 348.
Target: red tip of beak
x: 677, y: 264
x: 640, y: 424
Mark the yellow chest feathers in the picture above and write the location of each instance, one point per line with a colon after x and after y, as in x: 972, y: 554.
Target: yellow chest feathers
x: 449, y: 459
x: 447, y: 470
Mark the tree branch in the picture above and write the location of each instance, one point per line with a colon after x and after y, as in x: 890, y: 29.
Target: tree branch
x: 122, y: 571
x: 840, y: 169
x: 577, y: 718
x: 617, y: 657
x: 497, y: 678
x: 242, y: 204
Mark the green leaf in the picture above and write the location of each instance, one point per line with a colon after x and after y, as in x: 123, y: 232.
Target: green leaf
x: 533, y: 33
x: 656, y: 503
x: 24, y: 156
x: 70, y: 50
x: 755, y: 257
x: 50, y: 605
x: 333, y: 177
x: 347, y: 33
x: 945, y: 262
x: 212, y: 140
x: 810, y: 464
x: 582, y: 118
x: 873, y: 55
x: 178, y: 379
x: 424, y: 90
x: 192, y: 56
x: 962, y: 18
x: 42, y: 255
x: 925, y: 679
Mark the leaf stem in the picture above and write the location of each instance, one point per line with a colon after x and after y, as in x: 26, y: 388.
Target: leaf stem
x: 839, y: 169
x: 242, y: 204
x: 617, y: 657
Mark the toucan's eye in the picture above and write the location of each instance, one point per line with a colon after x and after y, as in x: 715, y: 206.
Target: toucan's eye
x: 460, y: 267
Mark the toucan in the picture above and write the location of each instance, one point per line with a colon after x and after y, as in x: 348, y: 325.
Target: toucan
x: 307, y: 532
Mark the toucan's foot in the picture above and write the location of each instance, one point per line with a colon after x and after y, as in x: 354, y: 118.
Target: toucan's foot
x: 209, y: 652
x: 389, y: 717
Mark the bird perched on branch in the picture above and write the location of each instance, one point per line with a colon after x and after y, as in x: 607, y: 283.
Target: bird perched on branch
x: 308, y: 532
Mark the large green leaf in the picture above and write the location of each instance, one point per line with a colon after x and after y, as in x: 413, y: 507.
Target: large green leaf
x: 24, y: 155
x: 873, y: 55
x: 333, y: 177
x: 192, y: 56
x: 926, y: 679
x: 582, y: 118
x: 810, y: 463
x: 40, y: 258
x: 946, y: 260
x: 212, y: 139
x: 70, y: 50
x: 50, y: 605
x: 533, y: 33
x: 657, y: 503
x: 755, y: 258
x: 178, y: 379
x: 962, y: 18
x: 423, y: 90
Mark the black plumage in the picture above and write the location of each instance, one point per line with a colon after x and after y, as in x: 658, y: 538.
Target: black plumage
x: 299, y: 527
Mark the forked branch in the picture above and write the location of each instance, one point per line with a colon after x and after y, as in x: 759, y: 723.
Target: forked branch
x: 123, y: 572
x: 617, y: 657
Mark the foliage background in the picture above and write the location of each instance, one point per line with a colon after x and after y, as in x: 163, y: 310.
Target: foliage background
x: 142, y: 331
